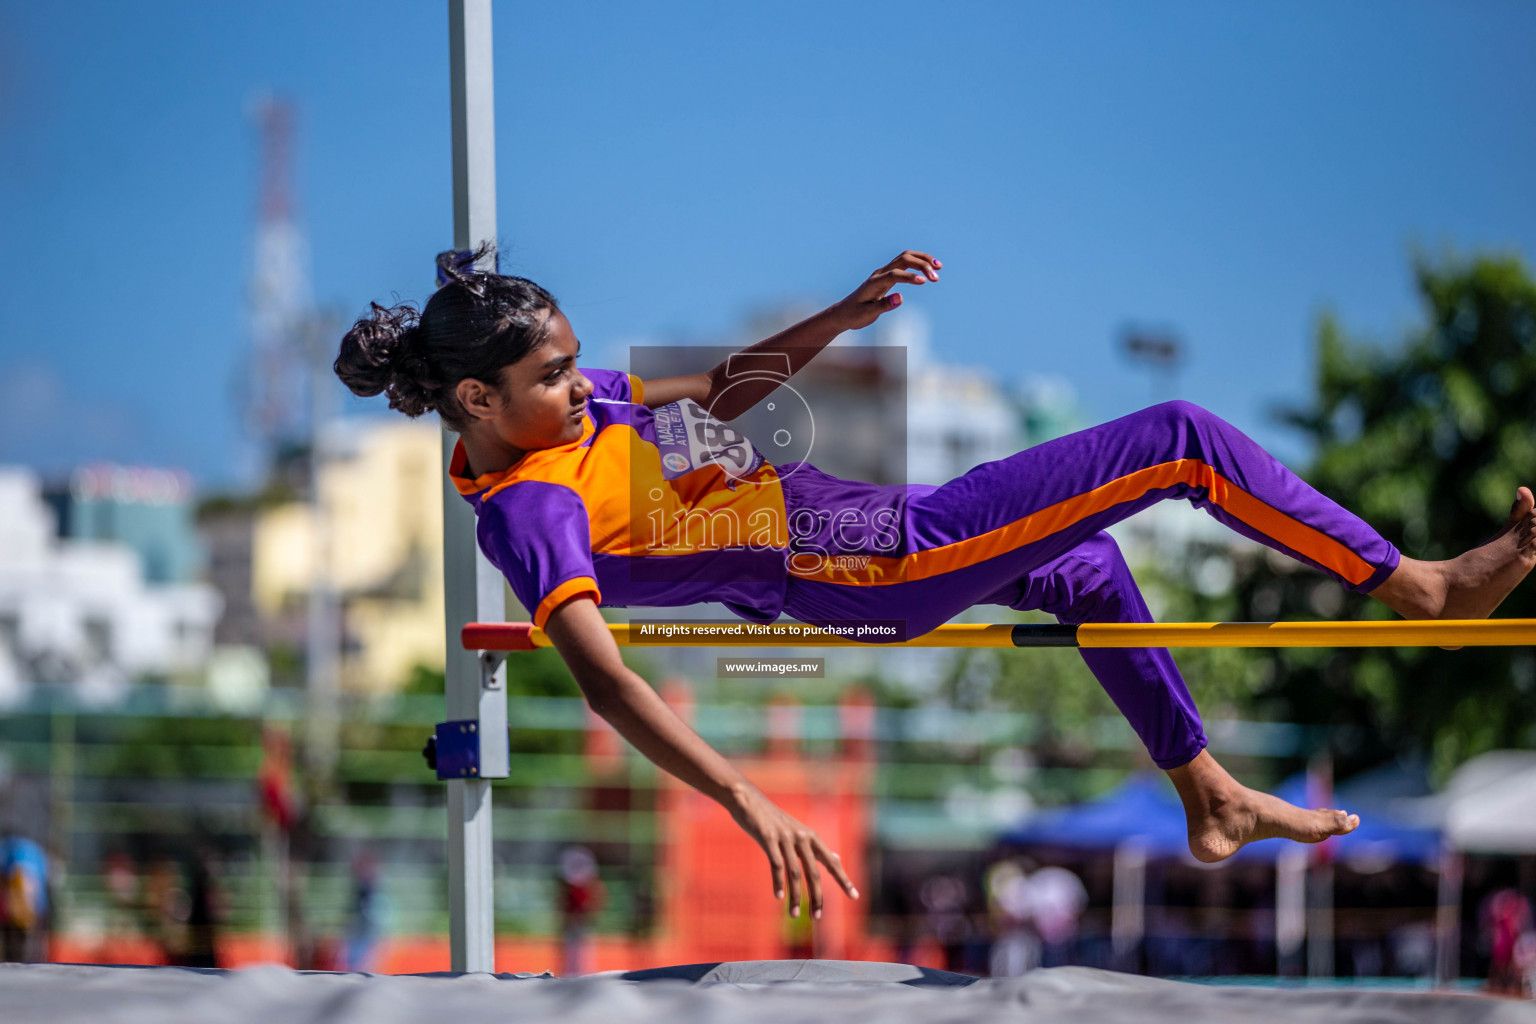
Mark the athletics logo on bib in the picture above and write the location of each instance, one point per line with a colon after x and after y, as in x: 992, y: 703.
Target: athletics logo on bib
x: 690, y: 438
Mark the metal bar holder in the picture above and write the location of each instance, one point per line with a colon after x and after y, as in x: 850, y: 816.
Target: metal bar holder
x: 475, y: 748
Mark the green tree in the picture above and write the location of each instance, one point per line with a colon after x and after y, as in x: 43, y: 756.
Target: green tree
x: 1426, y: 441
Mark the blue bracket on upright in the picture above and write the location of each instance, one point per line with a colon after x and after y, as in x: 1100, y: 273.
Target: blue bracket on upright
x: 458, y: 749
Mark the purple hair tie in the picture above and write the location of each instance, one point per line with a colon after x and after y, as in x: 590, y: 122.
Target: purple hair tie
x: 464, y: 263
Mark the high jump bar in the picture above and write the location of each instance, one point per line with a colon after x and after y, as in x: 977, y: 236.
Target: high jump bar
x: 524, y: 636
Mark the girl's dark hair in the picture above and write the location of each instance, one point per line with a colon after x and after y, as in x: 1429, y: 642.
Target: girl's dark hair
x: 475, y: 325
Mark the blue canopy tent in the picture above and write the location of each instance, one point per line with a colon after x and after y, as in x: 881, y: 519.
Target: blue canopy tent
x: 1143, y: 807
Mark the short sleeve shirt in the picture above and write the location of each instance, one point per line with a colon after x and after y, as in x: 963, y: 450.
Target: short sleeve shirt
x: 657, y: 508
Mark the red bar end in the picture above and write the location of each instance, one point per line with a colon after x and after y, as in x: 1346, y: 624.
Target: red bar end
x: 498, y: 636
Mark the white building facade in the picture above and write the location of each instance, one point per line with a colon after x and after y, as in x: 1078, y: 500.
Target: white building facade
x: 80, y: 612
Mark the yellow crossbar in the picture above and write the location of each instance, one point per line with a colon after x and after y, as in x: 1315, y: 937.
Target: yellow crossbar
x: 523, y: 636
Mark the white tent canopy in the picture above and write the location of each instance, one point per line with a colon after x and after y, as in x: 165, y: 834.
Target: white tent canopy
x: 1487, y: 806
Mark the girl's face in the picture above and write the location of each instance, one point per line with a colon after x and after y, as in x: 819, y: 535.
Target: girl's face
x: 543, y: 397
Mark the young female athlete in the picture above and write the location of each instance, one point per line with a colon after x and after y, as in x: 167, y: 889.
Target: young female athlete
x: 595, y: 487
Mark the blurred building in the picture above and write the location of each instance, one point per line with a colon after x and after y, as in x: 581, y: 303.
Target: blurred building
x: 376, y: 543
x: 1047, y: 408
x: 146, y: 509
x: 961, y: 416
x: 957, y: 417
x: 83, y: 610
x: 228, y: 529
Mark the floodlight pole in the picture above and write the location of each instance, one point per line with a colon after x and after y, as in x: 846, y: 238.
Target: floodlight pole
x: 472, y: 588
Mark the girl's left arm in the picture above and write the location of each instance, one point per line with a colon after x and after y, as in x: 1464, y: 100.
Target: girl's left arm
x: 796, y: 345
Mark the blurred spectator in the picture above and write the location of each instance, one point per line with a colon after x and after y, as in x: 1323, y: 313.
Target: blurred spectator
x: 1058, y: 899
x: 279, y: 814
x: 1034, y: 916
x: 23, y: 900
x: 1506, y: 916
x: 121, y: 878
x: 902, y: 900
x: 167, y: 909
x: 274, y: 781
x: 1413, y: 949
x: 943, y: 899
x: 581, y: 897
x: 1016, y: 948
x: 203, y: 912
x: 327, y: 953
x: 364, y: 921
x: 643, y: 902
x: 1525, y: 962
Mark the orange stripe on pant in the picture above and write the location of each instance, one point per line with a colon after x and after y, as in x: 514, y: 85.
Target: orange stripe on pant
x: 1037, y: 526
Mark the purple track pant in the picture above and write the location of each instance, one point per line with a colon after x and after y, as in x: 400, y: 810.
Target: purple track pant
x: 1026, y: 532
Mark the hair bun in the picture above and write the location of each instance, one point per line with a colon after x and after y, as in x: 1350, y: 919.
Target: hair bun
x: 476, y: 325
x: 378, y: 357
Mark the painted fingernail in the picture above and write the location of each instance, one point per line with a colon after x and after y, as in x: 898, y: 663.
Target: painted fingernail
x: 794, y: 912
x: 816, y: 914
x: 936, y: 263
x: 778, y: 894
x: 854, y: 893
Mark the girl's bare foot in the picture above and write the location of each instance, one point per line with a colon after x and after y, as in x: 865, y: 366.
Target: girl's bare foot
x: 1471, y: 585
x: 1224, y: 816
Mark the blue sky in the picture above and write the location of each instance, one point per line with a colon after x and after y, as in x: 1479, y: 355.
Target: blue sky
x: 1226, y: 170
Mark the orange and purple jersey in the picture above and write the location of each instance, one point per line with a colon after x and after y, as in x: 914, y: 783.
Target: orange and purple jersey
x: 656, y: 508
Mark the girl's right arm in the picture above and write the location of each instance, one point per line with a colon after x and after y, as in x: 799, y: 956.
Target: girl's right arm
x: 726, y: 397
x: 638, y: 713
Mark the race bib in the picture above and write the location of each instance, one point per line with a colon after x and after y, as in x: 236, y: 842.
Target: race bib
x: 690, y: 438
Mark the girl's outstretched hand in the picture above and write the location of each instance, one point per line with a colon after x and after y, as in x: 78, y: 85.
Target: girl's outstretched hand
x: 792, y: 849
x: 865, y: 305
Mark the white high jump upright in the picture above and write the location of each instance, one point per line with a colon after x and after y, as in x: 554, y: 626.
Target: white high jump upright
x: 472, y: 587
